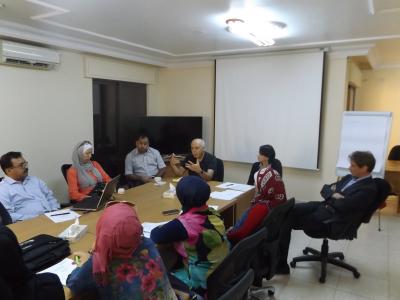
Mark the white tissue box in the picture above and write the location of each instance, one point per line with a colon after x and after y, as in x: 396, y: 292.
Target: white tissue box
x: 73, y: 233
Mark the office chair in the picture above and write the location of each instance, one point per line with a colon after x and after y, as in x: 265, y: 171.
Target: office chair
x: 5, y: 217
x: 219, y: 172
x: 267, y: 254
x: 256, y: 166
x: 234, y: 266
x: 394, y: 153
x: 349, y: 226
x: 240, y: 290
x: 64, y: 169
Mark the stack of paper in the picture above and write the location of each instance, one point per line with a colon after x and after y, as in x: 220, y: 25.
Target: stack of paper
x: 62, y: 215
x: 148, y: 227
x: 235, y: 186
x: 226, y: 195
x: 62, y: 269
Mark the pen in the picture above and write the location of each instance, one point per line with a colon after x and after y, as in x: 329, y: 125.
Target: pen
x: 66, y: 213
x: 77, y: 259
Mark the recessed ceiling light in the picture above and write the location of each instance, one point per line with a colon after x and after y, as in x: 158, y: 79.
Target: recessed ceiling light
x: 262, y: 34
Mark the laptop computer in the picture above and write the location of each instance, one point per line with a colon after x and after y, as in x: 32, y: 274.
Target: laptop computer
x: 96, y: 202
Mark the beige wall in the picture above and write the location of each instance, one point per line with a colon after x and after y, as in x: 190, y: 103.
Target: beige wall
x: 380, y: 91
x: 185, y: 92
x: 190, y: 91
x: 45, y: 113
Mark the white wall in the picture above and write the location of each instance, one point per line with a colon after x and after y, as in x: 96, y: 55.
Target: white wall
x: 45, y: 113
x: 190, y: 91
x: 380, y: 91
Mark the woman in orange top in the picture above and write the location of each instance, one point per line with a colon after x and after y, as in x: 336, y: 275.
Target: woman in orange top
x: 84, y: 174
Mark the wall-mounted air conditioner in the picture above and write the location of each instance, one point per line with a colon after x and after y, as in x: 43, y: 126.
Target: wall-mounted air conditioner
x: 23, y: 55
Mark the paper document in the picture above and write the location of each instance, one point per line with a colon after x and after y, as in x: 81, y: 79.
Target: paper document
x: 62, y: 269
x: 235, y: 186
x: 148, y: 227
x: 62, y: 215
x: 226, y: 195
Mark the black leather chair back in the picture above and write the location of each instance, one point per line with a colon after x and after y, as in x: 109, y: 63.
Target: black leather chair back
x: 234, y: 265
x: 219, y: 173
x: 240, y: 290
x: 383, y: 190
x: 394, y: 153
x: 64, y: 169
x: 5, y: 217
x: 267, y: 255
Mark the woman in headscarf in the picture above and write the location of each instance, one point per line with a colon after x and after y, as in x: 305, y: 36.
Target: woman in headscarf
x: 84, y: 174
x: 16, y: 281
x: 270, y: 192
x: 124, y: 264
x: 198, y: 234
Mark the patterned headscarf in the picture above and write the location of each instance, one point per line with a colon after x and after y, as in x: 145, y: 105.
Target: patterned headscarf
x: 84, y: 178
x: 118, y: 234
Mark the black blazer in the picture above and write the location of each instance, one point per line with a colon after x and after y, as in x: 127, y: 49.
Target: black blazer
x: 277, y: 166
x: 357, y: 198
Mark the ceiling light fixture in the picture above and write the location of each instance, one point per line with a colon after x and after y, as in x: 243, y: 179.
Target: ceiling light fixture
x: 2, y: 5
x: 260, y: 34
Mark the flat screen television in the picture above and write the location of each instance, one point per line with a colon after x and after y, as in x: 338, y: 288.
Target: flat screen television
x: 169, y: 134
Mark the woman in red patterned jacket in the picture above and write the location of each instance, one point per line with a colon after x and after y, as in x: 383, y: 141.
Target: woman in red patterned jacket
x: 270, y: 192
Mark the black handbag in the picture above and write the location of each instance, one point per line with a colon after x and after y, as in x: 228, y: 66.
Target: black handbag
x: 43, y: 251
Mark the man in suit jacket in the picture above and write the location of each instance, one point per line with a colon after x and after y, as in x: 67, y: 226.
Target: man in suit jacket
x: 354, y: 193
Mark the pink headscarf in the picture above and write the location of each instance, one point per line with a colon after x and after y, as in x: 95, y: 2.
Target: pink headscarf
x: 118, y: 234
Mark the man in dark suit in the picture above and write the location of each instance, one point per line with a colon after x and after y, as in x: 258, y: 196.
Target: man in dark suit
x: 354, y: 193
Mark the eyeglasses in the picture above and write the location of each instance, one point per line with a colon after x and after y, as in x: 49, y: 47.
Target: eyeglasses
x: 110, y: 203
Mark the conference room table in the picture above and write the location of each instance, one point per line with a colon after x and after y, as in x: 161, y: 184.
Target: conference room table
x: 392, y: 175
x: 149, y: 204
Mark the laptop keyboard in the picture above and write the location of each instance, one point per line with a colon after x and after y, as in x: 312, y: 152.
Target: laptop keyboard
x: 87, y: 203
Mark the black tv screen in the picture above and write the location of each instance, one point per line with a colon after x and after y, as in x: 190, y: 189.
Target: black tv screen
x: 169, y: 134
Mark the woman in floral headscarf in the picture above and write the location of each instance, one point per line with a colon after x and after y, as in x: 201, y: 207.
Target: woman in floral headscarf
x: 124, y: 264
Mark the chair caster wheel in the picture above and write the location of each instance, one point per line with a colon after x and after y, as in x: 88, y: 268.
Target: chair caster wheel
x: 356, y: 275
x: 322, y: 280
x: 271, y: 293
x: 341, y: 257
x: 293, y: 264
x: 305, y: 252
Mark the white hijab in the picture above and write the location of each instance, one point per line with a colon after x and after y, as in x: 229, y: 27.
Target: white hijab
x: 84, y: 179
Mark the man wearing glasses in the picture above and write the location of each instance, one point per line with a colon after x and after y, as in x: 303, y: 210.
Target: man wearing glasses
x: 23, y: 196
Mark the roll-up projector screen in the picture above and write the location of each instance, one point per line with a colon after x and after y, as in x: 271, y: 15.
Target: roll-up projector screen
x: 271, y: 99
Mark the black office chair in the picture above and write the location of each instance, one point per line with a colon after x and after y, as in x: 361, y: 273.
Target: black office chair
x: 64, y: 169
x: 240, y: 289
x: 5, y: 217
x: 234, y: 266
x: 348, y: 230
x: 256, y: 166
x: 219, y: 172
x: 394, y: 153
x: 268, y: 254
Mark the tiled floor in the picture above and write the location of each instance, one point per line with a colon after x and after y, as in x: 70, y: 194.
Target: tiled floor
x: 375, y: 254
